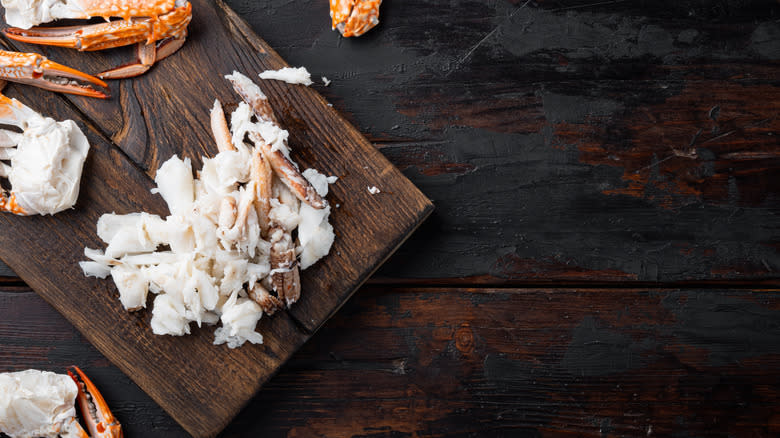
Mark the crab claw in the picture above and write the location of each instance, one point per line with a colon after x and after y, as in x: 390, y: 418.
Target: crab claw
x: 94, y: 410
x: 34, y: 69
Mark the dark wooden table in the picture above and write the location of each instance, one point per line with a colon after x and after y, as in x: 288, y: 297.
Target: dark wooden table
x: 605, y: 252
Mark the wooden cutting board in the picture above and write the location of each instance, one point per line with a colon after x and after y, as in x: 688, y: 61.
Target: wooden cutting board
x: 165, y: 112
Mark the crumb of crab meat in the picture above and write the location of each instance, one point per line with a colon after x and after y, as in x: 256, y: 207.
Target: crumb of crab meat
x: 238, y: 323
x: 290, y: 75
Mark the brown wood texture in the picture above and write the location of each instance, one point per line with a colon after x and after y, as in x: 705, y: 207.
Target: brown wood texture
x: 402, y: 362
x: 203, y: 386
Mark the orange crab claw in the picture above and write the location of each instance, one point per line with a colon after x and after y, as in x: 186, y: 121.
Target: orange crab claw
x: 34, y: 69
x: 97, y: 416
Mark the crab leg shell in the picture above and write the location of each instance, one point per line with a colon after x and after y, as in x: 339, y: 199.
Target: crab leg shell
x: 289, y: 174
x: 34, y: 69
x: 285, y: 275
x: 269, y: 303
x: 263, y: 177
x: 97, y: 416
x: 284, y: 168
x: 219, y: 128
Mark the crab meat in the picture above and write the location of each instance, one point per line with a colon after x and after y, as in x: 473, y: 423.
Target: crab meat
x: 46, y: 160
x: 228, y: 251
x: 354, y: 17
x: 272, y: 140
x: 41, y: 404
x: 159, y: 27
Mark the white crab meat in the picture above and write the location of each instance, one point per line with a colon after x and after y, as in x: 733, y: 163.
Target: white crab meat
x: 230, y: 234
x: 315, y: 233
x: 37, y: 404
x: 46, y: 160
x: 289, y: 74
x: 28, y: 13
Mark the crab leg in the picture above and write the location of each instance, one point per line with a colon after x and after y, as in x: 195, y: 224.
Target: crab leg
x: 158, y: 37
x: 284, y: 168
x: 97, y: 416
x: 285, y: 275
x: 34, y: 69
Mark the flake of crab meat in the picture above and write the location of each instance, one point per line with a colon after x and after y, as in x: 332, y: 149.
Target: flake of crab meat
x: 181, y: 237
x: 283, y: 215
x: 36, y: 403
x: 239, y: 319
x: 132, y: 286
x: 315, y: 233
x: 9, y: 139
x: 192, y: 301
x: 289, y: 74
x: 160, y: 276
x: 240, y: 124
x: 98, y: 256
x: 46, y: 169
x: 132, y: 233
x: 149, y: 259
x: 205, y: 234
x: 176, y: 185
x: 233, y: 277
x: 208, y: 292
x: 257, y: 271
x: 221, y: 174
x: 168, y: 316
x: 95, y: 269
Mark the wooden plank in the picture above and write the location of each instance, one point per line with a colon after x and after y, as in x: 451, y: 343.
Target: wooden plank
x: 483, y: 362
x: 164, y: 113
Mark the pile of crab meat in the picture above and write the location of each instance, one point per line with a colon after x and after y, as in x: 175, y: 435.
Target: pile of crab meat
x: 46, y: 160
x: 236, y: 236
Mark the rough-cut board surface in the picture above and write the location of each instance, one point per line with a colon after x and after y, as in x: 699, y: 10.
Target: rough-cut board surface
x: 494, y: 362
x: 166, y: 112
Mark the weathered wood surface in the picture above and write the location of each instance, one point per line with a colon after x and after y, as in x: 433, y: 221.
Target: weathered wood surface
x: 597, y: 145
x: 489, y: 362
x: 620, y: 141
x: 166, y: 113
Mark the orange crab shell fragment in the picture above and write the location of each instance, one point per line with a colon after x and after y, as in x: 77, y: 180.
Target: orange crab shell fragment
x: 354, y: 17
x: 9, y: 204
x: 126, y: 8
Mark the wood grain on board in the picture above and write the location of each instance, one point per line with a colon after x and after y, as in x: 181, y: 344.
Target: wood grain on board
x: 163, y: 113
x: 507, y: 362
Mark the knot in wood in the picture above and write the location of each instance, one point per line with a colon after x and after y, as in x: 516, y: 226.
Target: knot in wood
x: 464, y: 340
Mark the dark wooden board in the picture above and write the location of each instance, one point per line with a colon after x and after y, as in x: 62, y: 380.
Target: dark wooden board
x: 398, y: 362
x: 164, y: 113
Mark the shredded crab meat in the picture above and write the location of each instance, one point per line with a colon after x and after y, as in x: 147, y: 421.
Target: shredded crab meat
x: 46, y: 160
x: 234, y: 241
x: 37, y: 404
